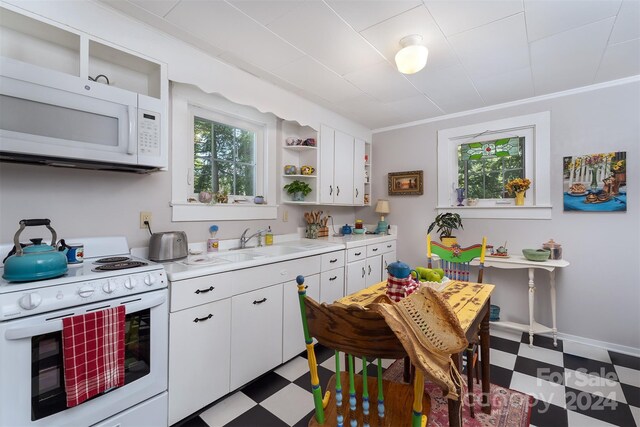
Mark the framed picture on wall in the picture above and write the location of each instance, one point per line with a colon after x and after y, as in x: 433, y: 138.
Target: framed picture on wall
x: 405, y: 183
x: 595, y: 182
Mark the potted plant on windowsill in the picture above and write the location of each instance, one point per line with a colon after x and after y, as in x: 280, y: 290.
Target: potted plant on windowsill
x: 446, y: 223
x: 298, y: 190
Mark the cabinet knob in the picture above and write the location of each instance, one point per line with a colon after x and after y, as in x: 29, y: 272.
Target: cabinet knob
x: 260, y: 301
x: 363, y: 272
x: 331, y: 190
x: 331, y: 279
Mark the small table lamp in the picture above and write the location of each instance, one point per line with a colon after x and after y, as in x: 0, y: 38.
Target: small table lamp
x: 382, y: 207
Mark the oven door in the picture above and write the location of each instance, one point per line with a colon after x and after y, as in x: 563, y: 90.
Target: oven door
x: 32, y: 389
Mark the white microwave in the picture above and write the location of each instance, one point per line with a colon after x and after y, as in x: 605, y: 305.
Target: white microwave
x: 64, y: 121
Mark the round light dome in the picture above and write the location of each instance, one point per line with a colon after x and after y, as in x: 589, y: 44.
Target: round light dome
x: 413, y: 55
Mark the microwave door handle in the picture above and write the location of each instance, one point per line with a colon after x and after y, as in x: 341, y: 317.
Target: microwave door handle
x: 56, y: 325
x: 132, y: 147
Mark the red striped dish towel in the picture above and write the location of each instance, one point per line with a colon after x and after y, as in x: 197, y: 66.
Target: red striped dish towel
x: 93, y: 350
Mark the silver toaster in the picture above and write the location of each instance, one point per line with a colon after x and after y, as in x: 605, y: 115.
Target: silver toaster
x: 168, y: 246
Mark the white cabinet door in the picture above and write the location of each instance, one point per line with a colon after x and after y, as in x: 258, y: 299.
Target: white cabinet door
x: 374, y: 270
x: 356, y: 276
x: 256, y: 333
x: 292, y: 335
x: 358, y: 172
x: 343, y: 168
x: 387, y: 259
x: 198, y: 357
x: 331, y: 285
x: 326, y: 187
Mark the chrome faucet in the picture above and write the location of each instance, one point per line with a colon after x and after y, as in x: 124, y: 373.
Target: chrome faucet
x: 244, y: 239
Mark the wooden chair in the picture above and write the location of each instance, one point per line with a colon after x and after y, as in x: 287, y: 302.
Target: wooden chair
x: 362, y: 333
x: 455, y: 262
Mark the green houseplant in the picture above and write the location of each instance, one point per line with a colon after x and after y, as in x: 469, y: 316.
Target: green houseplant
x: 298, y: 190
x: 446, y: 223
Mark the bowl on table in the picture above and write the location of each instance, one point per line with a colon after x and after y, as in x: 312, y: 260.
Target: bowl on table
x: 536, y: 254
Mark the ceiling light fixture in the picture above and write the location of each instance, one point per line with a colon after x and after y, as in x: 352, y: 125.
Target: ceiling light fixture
x: 413, y: 55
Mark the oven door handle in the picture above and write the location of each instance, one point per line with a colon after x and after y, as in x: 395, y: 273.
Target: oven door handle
x: 47, y: 327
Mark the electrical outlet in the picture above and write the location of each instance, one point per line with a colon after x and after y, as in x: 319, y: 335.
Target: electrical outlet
x: 145, y: 216
x: 285, y: 215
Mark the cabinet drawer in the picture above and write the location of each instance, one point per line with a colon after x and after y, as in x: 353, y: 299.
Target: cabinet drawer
x: 250, y: 279
x: 332, y: 260
x: 381, y: 248
x: 356, y: 254
x: 200, y: 290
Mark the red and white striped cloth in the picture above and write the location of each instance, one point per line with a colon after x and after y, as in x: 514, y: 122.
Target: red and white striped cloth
x: 400, y: 288
x: 93, y: 351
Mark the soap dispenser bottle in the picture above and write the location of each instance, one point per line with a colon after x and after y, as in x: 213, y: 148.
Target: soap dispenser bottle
x: 212, y: 242
x: 268, y: 237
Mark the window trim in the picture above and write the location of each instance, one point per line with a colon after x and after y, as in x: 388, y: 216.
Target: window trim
x: 537, y: 130
x: 185, y: 100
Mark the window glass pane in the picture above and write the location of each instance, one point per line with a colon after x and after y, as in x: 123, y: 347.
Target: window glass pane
x: 224, y: 142
x: 246, y: 146
x: 245, y: 180
x: 223, y: 177
x: 203, y: 135
x: 485, y: 167
x: 224, y: 158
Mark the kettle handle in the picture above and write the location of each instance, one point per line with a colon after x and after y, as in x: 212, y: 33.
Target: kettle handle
x: 33, y: 223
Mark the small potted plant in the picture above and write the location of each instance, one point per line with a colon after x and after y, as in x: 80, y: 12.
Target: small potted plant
x: 446, y: 223
x: 298, y: 190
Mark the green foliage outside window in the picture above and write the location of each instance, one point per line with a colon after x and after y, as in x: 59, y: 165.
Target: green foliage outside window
x: 485, y: 167
x: 224, y: 158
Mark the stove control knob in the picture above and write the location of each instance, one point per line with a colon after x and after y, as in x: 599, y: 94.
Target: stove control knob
x: 149, y: 279
x: 30, y: 301
x: 129, y: 283
x: 109, y: 286
x: 86, y: 291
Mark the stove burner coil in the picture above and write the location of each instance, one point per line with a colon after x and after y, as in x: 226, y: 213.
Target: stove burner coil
x: 120, y: 266
x: 109, y: 260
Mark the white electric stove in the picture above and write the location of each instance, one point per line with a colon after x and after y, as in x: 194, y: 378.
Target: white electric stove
x: 32, y: 391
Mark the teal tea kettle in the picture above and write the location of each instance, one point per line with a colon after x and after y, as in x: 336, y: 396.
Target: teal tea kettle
x: 400, y: 270
x: 37, y: 261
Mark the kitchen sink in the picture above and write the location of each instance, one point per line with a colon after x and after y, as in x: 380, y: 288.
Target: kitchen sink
x: 239, y: 256
x: 275, y: 250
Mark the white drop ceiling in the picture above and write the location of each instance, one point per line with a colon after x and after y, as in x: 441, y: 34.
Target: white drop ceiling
x: 340, y: 53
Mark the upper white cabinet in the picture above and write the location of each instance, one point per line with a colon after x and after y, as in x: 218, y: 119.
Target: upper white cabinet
x: 44, y: 45
x: 342, y: 170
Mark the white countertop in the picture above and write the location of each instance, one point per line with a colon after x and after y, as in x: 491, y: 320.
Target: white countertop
x: 181, y: 270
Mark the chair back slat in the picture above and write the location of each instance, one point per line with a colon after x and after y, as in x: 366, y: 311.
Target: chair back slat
x: 456, y: 260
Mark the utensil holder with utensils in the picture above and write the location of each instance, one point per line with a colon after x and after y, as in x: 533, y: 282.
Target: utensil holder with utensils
x: 316, y: 225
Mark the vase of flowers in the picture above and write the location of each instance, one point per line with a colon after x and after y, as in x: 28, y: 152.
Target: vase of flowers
x: 518, y: 186
x: 594, y: 162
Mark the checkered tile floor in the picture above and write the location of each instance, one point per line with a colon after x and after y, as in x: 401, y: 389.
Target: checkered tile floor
x: 574, y: 385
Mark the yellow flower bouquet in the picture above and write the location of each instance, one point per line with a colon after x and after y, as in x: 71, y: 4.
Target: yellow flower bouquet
x: 518, y: 185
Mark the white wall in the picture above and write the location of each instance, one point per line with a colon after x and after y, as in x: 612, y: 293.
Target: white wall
x: 96, y: 203
x: 599, y: 294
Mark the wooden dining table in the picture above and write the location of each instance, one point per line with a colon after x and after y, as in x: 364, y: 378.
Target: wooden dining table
x: 471, y: 303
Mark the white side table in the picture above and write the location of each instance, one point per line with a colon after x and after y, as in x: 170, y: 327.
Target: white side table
x: 518, y: 261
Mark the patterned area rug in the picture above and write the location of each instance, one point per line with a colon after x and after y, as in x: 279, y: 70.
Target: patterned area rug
x: 510, y: 408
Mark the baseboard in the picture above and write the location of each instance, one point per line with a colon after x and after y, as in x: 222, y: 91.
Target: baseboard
x: 632, y: 351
